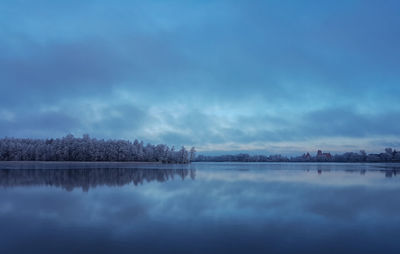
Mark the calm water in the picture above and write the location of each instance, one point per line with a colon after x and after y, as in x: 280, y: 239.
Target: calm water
x: 200, y: 208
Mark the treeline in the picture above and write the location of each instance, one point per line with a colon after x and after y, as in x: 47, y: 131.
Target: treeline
x: 70, y: 148
x: 242, y: 157
x: 390, y: 155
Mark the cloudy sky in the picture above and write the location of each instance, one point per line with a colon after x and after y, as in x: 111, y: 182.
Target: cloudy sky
x: 269, y: 76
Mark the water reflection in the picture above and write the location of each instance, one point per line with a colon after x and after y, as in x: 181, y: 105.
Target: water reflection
x: 87, y: 178
x: 229, y: 208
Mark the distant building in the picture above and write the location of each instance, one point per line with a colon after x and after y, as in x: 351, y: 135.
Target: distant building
x: 323, y: 156
x: 306, y: 157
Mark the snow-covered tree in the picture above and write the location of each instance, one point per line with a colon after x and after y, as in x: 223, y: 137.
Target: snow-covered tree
x: 70, y: 148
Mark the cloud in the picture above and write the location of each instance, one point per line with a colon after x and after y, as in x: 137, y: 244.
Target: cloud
x: 209, y: 73
x: 349, y: 123
x: 39, y: 124
x: 120, y: 118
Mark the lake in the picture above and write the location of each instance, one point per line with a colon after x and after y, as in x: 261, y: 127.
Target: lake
x: 199, y: 208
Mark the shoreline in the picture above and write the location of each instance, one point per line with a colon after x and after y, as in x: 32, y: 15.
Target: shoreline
x: 160, y: 163
x: 132, y: 162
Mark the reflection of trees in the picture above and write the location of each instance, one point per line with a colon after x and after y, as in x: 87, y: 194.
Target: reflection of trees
x: 388, y: 172
x: 90, y: 177
x: 391, y: 173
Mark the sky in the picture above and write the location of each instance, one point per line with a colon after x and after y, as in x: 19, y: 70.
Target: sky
x: 225, y: 76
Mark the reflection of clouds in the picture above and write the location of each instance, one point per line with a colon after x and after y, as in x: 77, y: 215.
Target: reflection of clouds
x: 283, y: 195
x: 354, y: 203
x: 100, y: 207
x: 323, y: 178
x: 243, y: 208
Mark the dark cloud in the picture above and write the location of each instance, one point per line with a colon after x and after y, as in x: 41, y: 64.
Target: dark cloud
x: 120, y: 118
x: 83, y: 68
x: 37, y: 124
x: 58, y: 69
x: 349, y: 123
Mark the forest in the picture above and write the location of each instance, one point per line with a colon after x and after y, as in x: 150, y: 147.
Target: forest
x: 389, y: 155
x: 70, y: 148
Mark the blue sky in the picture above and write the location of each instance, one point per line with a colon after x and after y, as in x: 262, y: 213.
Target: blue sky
x: 264, y: 76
